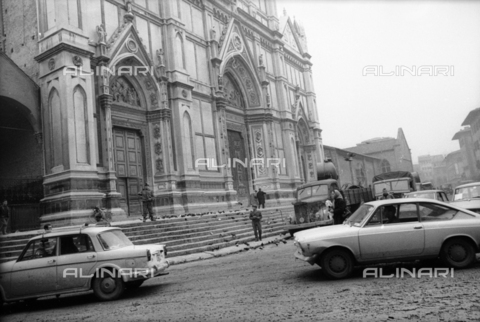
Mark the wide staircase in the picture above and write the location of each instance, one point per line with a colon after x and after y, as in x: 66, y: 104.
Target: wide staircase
x: 182, y: 235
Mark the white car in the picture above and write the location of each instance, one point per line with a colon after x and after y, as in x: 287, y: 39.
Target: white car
x: 393, y: 230
x: 75, y: 260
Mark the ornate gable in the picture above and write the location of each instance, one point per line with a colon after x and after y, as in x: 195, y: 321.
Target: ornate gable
x: 126, y: 41
x: 290, y: 37
x: 237, y: 57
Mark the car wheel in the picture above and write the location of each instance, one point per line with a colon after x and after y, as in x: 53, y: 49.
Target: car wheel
x: 107, y: 287
x: 457, y: 253
x: 133, y: 285
x: 337, y: 263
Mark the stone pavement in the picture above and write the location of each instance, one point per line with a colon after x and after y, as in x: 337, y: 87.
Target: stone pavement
x: 241, y: 247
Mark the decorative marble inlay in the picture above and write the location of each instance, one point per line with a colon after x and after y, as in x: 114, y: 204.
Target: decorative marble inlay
x: 257, y: 134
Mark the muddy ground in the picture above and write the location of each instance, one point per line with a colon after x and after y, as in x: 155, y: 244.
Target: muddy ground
x: 270, y: 285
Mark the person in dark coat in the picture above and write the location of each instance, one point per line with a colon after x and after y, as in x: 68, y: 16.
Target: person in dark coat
x: 256, y: 218
x: 339, y: 207
x: 147, y: 200
x: 261, y: 198
x: 4, y: 217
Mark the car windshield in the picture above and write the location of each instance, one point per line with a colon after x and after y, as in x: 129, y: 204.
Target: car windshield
x: 428, y: 195
x: 113, y: 239
x: 471, y: 192
x: 359, y: 215
x: 316, y: 191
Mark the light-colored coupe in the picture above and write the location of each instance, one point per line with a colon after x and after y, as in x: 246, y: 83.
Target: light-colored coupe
x: 80, y: 259
x: 393, y: 230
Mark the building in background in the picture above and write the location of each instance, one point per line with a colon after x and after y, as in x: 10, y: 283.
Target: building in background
x: 469, y: 140
x: 100, y: 97
x: 394, y: 152
x: 353, y: 169
x: 455, y: 168
x: 465, y: 141
x: 431, y: 169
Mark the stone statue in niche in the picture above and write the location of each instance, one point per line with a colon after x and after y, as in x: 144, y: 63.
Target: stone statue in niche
x: 160, y: 56
x: 213, y: 33
x: 268, y: 100
x: 129, y: 7
x: 153, y: 99
x: 220, y: 82
x: 260, y: 60
x: 102, y: 34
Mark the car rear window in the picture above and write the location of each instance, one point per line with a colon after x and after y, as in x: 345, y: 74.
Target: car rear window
x: 435, y: 212
x: 113, y: 239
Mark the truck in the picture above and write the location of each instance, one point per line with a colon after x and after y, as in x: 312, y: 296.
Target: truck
x: 310, y: 204
x: 397, y: 183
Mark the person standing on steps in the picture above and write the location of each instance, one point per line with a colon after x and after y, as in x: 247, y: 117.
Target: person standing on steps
x: 147, y: 201
x: 256, y: 218
x: 261, y: 198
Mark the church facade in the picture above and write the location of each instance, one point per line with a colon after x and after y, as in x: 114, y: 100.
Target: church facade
x: 204, y: 101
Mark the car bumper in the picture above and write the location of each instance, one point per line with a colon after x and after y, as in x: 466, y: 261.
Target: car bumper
x: 145, y: 273
x: 309, y: 259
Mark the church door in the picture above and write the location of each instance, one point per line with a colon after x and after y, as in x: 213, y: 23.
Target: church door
x: 129, y: 170
x: 236, y: 145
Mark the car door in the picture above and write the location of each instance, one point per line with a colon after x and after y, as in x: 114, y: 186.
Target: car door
x: 76, y: 261
x: 400, y: 236
x: 35, y: 272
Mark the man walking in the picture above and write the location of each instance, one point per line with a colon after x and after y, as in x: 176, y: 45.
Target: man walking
x: 4, y: 217
x: 256, y: 218
x: 147, y: 200
x: 261, y: 198
x: 339, y: 207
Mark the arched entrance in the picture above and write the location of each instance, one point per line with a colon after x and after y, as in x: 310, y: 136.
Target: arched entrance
x: 129, y: 125
x: 237, y: 139
x: 21, y: 161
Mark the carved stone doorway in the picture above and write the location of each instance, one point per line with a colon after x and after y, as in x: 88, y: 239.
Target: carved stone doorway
x: 129, y: 169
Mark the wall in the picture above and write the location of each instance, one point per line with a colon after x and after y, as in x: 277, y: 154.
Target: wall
x: 20, y: 23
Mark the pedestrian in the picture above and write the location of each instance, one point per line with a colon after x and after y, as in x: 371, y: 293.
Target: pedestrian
x: 100, y: 216
x: 339, y: 207
x: 4, y: 217
x: 385, y: 195
x: 329, y: 205
x: 256, y: 218
x: 147, y: 201
x: 261, y: 198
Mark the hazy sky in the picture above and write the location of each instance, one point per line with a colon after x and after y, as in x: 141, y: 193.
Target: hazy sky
x: 345, y: 36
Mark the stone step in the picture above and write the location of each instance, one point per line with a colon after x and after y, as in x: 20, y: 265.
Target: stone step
x: 186, y: 241
x: 184, y: 235
x: 192, y: 229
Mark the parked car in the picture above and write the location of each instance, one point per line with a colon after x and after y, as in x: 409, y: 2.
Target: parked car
x: 392, y: 230
x: 439, y: 195
x: 101, y: 259
x: 468, y: 196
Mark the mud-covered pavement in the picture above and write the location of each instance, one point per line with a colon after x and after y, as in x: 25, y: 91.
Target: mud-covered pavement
x: 269, y: 285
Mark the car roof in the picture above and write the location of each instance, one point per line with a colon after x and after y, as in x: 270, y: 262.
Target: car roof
x: 423, y: 191
x: 74, y: 230
x: 468, y: 185
x: 403, y: 200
